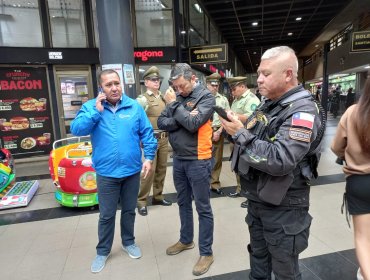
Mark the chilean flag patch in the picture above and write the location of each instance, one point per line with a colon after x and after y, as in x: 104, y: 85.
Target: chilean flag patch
x: 303, y: 120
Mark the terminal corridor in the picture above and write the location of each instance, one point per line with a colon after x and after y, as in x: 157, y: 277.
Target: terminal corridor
x: 47, y: 241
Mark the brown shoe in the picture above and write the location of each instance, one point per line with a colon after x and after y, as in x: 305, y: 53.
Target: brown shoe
x: 178, y: 248
x: 203, y: 264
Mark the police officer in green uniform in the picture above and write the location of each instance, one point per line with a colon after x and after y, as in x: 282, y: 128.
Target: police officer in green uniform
x: 244, y: 104
x: 213, y: 83
x: 153, y: 103
x: 276, y: 155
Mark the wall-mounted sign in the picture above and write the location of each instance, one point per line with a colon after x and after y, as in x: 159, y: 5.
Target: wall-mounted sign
x: 360, y: 41
x: 26, y: 127
x: 11, y: 55
x: 55, y: 55
x: 128, y: 73
x: 155, y: 55
x: 208, y: 54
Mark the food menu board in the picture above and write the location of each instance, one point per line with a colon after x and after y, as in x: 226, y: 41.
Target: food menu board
x: 26, y: 127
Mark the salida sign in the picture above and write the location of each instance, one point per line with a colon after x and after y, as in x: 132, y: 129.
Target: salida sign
x: 154, y: 55
x: 208, y: 54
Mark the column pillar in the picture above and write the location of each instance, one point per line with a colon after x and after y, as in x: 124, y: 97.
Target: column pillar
x: 115, y: 36
x: 325, y: 80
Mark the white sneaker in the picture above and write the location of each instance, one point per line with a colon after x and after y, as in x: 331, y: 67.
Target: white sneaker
x: 359, y: 275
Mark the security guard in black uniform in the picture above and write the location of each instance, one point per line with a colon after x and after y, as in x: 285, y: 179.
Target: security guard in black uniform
x: 276, y: 156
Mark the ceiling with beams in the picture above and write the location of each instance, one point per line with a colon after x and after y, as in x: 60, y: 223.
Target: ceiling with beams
x: 252, y: 26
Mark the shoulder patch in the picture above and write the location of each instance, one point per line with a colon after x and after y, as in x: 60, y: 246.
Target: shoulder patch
x: 252, y: 123
x: 303, y: 119
x: 299, y: 134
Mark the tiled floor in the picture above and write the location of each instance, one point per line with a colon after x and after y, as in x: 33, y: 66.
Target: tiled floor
x: 47, y: 241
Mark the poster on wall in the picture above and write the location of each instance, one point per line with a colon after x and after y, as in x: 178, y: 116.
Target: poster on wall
x: 128, y: 70
x: 26, y: 127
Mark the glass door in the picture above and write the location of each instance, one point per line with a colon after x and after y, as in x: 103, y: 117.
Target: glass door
x: 74, y: 88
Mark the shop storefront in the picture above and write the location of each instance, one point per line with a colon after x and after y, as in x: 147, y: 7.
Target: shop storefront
x: 38, y: 102
x: 345, y: 81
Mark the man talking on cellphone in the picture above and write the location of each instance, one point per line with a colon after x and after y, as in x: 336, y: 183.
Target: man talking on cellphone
x: 117, y: 125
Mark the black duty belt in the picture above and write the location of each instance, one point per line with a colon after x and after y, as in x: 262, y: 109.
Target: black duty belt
x: 160, y: 134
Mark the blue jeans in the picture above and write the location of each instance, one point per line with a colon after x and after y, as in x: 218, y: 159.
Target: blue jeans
x: 110, y: 191
x: 192, y: 179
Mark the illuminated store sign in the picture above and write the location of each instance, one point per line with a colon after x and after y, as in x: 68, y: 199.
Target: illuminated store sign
x: 154, y: 55
x: 360, y: 41
x: 208, y: 54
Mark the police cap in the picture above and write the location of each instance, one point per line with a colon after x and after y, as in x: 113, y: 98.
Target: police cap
x: 234, y: 81
x: 213, y: 79
x: 151, y: 72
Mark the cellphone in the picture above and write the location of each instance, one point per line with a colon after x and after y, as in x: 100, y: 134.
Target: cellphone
x: 221, y: 112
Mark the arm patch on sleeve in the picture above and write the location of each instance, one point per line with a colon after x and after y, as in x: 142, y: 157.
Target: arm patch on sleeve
x: 299, y: 134
x: 303, y: 119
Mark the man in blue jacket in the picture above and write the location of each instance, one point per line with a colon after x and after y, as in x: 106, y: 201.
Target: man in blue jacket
x: 117, y: 125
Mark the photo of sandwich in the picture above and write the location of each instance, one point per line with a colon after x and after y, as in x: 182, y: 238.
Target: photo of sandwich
x: 19, y: 123
x: 28, y: 104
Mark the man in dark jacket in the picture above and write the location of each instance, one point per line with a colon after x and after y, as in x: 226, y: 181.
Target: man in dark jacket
x: 276, y: 155
x: 187, y: 119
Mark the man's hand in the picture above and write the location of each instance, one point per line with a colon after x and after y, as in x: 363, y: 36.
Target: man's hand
x: 99, y: 101
x: 147, y: 167
x: 233, y: 126
x: 194, y: 112
x: 170, y: 95
x: 216, y: 135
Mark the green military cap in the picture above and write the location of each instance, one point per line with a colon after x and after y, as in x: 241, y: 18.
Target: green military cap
x: 151, y: 72
x: 213, y: 79
x: 233, y: 81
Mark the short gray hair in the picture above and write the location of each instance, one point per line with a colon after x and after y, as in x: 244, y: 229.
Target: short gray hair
x: 277, y: 52
x: 181, y: 69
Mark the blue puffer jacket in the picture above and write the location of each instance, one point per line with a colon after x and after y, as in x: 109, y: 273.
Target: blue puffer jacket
x: 116, y: 136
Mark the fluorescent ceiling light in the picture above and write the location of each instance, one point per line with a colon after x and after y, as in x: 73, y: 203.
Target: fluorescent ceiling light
x: 367, y: 67
x: 255, y: 23
x: 290, y: 34
x: 183, y: 32
x: 198, y: 8
x: 298, y: 18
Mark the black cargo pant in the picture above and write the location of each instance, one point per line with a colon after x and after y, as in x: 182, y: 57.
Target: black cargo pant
x: 277, y: 236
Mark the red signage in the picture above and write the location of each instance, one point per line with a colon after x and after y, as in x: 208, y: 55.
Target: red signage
x: 155, y: 55
x: 145, y: 55
x: 26, y: 127
x: 215, y: 69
